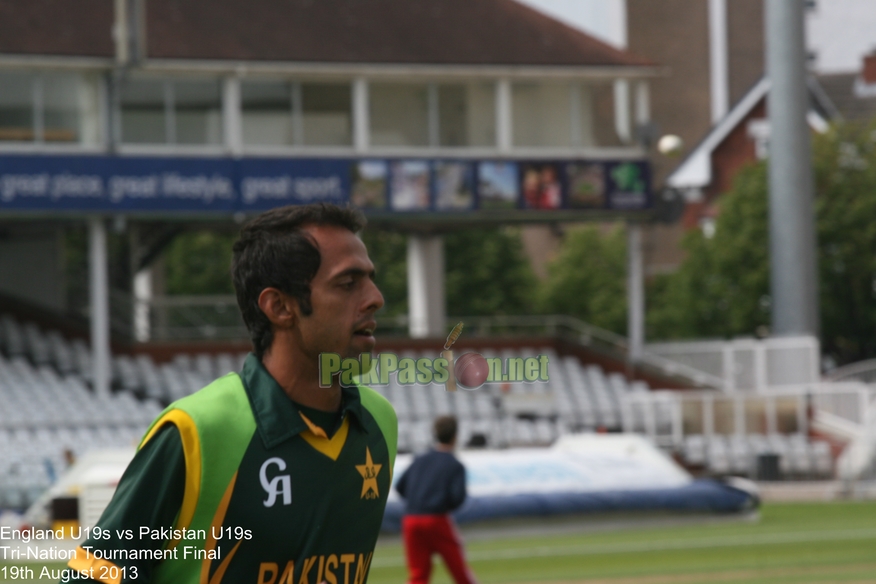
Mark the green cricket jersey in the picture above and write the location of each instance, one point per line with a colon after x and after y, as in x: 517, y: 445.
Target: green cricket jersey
x: 236, y: 484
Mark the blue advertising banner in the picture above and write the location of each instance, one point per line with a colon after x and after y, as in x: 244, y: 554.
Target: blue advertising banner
x: 116, y: 184
x: 121, y: 184
x: 273, y: 182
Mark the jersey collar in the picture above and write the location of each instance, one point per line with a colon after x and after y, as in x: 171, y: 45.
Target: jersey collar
x: 277, y: 417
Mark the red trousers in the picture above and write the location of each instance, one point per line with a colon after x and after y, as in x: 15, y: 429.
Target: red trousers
x: 429, y: 534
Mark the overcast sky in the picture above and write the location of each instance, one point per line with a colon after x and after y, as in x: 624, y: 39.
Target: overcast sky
x: 840, y: 32
x: 604, y: 19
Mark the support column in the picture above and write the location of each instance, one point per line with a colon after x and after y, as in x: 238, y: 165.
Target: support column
x: 643, y: 103
x: 297, y: 114
x: 642, y: 112
x: 142, y: 304
x: 504, y: 120
x: 575, y: 138
x: 169, y: 113
x: 622, y: 110
x: 361, y: 123
x: 635, y: 293
x: 231, y: 115
x: 433, y: 116
x: 111, y: 126
x: 39, y: 118
x: 793, y: 275
x: 99, y: 297
x: 426, y: 303
x: 121, y: 32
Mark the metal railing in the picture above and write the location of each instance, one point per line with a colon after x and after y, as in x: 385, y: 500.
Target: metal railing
x: 571, y: 329
x: 176, y: 317
x: 192, y: 318
x: 216, y: 317
x: 863, y: 371
x: 749, y: 364
x: 535, y: 325
x: 667, y: 416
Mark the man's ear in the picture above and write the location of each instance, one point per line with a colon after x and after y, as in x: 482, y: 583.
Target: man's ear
x: 280, y: 308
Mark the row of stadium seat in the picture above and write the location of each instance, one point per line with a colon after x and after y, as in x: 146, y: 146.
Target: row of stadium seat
x: 583, y: 398
x: 47, y: 407
x: 42, y: 348
x: 48, y: 413
x: 580, y: 397
x: 39, y: 396
x: 139, y: 374
x: 32, y: 459
x: 798, y: 456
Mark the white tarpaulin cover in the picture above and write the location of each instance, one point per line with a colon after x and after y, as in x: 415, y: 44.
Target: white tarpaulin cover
x: 576, y: 463
x: 583, y: 473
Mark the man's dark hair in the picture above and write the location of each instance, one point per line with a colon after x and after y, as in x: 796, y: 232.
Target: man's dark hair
x: 273, y: 251
x: 445, y: 429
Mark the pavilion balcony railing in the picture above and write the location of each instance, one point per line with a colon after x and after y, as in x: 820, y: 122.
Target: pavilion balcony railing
x: 216, y: 317
x: 863, y: 371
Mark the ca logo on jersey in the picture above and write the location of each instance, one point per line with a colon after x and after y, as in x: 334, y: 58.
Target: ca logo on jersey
x: 280, y: 484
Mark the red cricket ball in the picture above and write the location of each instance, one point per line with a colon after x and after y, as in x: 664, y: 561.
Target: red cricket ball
x: 471, y: 370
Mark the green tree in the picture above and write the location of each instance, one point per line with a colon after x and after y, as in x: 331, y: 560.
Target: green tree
x: 388, y: 253
x: 845, y: 180
x: 486, y: 272
x: 587, y: 279
x: 199, y: 262
x: 722, y: 288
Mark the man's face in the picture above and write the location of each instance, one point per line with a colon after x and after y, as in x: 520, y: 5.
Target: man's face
x: 343, y: 296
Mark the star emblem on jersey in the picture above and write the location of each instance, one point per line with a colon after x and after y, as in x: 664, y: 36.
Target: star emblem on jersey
x: 369, y: 472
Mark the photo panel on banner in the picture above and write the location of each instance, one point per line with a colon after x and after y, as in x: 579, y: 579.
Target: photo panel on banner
x: 453, y: 185
x: 369, y: 179
x: 586, y: 185
x: 628, y: 185
x: 409, y: 185
x: 541, y: 185
x: 498, y: 185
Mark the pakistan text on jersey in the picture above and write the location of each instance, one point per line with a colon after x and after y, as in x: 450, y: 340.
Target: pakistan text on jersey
x: 331, y: 569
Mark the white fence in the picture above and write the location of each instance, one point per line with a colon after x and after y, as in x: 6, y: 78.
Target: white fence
x: 667, y: 417
x: 861, y: 371
x: 749, y: 365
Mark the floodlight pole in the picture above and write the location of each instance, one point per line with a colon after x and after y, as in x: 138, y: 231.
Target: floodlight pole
x: 793, y: 279
x: 126, y: 33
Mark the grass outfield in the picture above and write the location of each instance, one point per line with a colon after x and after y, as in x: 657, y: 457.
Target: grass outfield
x: 792, y: 543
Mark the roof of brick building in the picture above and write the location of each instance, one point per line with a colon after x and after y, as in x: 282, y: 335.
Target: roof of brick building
x: 441, y: 32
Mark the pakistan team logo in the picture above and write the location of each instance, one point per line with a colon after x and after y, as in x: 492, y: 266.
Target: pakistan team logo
x: 369, y: 472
